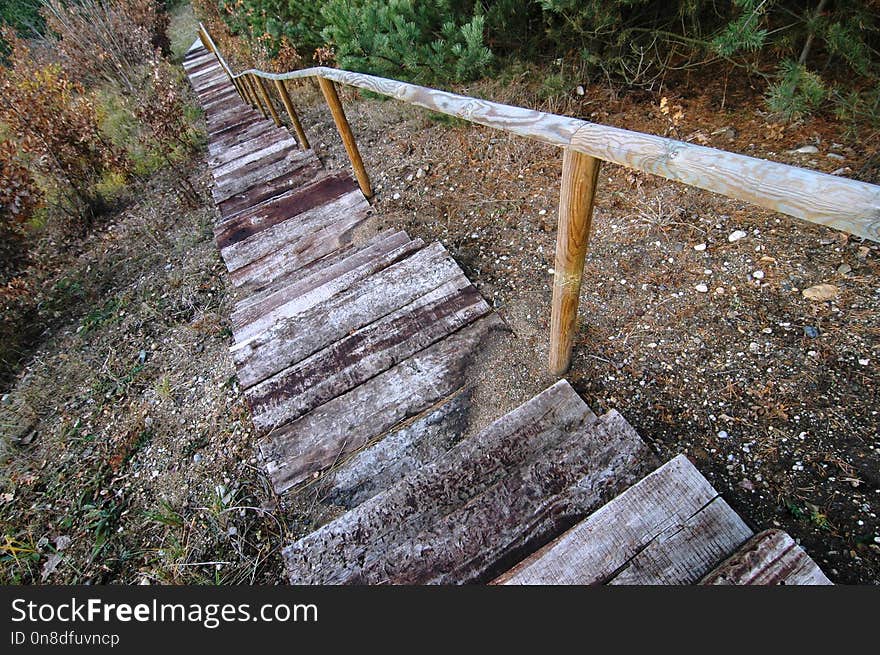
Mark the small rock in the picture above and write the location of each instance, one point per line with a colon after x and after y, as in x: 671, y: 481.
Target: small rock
x: 722, y: 434
x: 811, y: 332
x: 841, y: 171
x: 197, y: 458
x: 579, y: 90
x: 396, y: 196
x: 736, y: 236
x: 864, y: 361
x: 702, y: 288
x: 821, y: 292
x: 806, y: 150
x: 758, y: 275
x: 420, y: 173
x: 700, y: 247
x: 844, y: 269
x: 835, y: 156
x: 746, y: 485
x: 754, y: 347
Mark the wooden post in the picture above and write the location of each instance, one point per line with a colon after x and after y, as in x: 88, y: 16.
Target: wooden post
x: 332, y: 98
x: 265, y: 95
x: 580, y: 175
x: 257, y: 102
x: 248, y: 92
x: 294, y: 119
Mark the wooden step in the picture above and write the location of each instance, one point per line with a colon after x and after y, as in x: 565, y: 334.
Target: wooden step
x: 302, y: 449
x: 308, y: 170
x: 670, y: 528
x: 332, y: 199
x: 234, y: 137
x: 273, y: 211
x: 401, y: 452
x: 293, y: 339
x: 468, y: 514
x: 364, y: 354
x: 271, y: 166
x: 318, y: 284
x: 251, y: 149
x: 769, y: 558
x: 294, y: 256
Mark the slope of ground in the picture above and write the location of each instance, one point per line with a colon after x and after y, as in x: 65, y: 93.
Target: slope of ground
x: 127, y: 448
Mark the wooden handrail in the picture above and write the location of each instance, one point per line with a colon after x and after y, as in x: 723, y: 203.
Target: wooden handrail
x: 842, y: 203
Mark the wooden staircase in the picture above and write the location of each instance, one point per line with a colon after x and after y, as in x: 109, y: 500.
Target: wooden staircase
x: 355, y: 350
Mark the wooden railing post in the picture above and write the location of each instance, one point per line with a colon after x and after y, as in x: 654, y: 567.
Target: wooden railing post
x: 332, y: 98
x: 580, y: 175
x: 265, y: 95
x: 257, y: 102
x: 294, y: 119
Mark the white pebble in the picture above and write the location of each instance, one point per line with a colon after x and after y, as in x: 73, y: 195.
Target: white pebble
x: 702, y: 288
x: 758, y: 275
x: 700, y: 247
x: 736, y: 236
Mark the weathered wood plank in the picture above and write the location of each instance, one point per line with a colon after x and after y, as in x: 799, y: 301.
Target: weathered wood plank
x: 295, y: 256
x: 218, y: 142
x: 365, y: 353
x: 682, y: 554
x: 330, y: 206
x: 270, y: 167
x: 327, y: 435
x: 250, y: 320
x: 769, y: 558
x: 265, y: 189
x: 248, y: 149
x: 598, y: 548
x: 396, y: 455
x: 239, y: 120
x: 277, y: 210
x: 293, y: 339
x: 465, y: 516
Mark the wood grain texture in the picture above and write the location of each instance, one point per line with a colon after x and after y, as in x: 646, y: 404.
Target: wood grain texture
x: 295, y: 256
x: 837, y: 202
x: 318, y: 285
x: 243, y: 155
x: 364, y: 353
x: 275, y: 210
x: 397, y: 454
x: 684, y: 553
x: 220, y: 142
x: 348, y: 140
x: 274, y: 138
x: 291, y: 113
x: 769, y: 558
x: 463, y: 517
x: 845, y: 204
x: 579, y: 178
x: 296, y: 233
x: 257, y: 300
x: 293, y: 339
x: 329, y: 434
x: 308, y: 170
x: 269, y: 167
x: 598, y: 548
